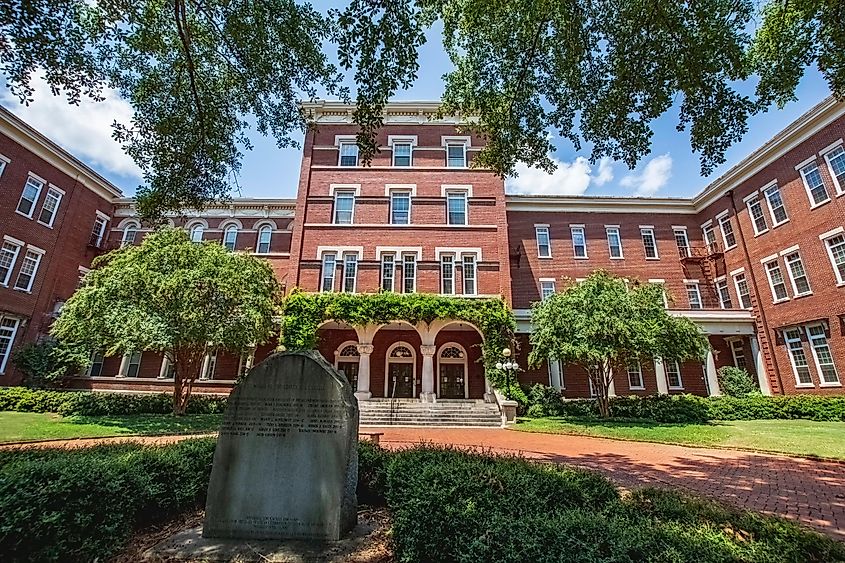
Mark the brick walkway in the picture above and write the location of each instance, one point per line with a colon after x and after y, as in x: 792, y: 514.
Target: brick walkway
x: 812, y: 492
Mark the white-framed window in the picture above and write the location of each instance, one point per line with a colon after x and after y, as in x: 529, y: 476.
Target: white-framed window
x: 547, y: 288
x: 614, y: 242
x: 724, y: 294
x: 133, y: 364
x: 3, y: 162
x: 814, y: 184
x: 673, y: 374
x: 246, y: 361
x: 649, y: 242
x: 682, y: 241
x: 8, y: 257
x: 742, y: 293
x: 447, y: 274
x: 727, y: 229
x: 348, y: 153
x: 350, y: 272
x: 708, y: 233
x: 402, y: 154
x: 197, y: 232
x: 836, y: 252
x: 777, y: 209
x: 388, y: 271
x: 95, y: 367
x: 821, y: 354
x: 29, y: 196
x: 694, y: 295
x: 344, y: 207
x: 8, y: 331
x: 130, y: 232
x: 265, y: 235
x: 456, y: 155
x: 579, y: 242
x: 776, y: 281
x: 210, y: 365
x: 635, y: 377
x: 456, y: 208
x: 758, y: 218
x: 797, y: 357
x: 797, y: 274
x: 469, y: 275
x: 738, y: 353
x: 836, y: 165
x: 29, y: 269
x: 409, y: 273
x: 230, y: 238
x: 327, y: 277
x: 50, y: 207
x: 400, y: 208
x: 544, y: 243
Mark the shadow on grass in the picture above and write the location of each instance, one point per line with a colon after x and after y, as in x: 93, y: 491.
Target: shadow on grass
x: 153, y: 423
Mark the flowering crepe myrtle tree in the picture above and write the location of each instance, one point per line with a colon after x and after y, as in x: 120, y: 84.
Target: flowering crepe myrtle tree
x: 605, y: 323
x: 173, y: 296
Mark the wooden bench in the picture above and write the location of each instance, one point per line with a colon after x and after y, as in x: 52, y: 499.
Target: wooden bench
x: 373, y: 437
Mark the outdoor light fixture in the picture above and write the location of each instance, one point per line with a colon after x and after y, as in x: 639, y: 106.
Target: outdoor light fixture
x: 510, y: 367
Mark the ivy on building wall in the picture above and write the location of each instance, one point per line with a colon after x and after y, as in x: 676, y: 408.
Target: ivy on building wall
x: 305, y: 312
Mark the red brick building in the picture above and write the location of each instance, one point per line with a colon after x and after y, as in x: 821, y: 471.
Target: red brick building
x: 757, y: 259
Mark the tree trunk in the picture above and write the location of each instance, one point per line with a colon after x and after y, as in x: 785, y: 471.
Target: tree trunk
x: 187, y: 364
x: 603, y: 389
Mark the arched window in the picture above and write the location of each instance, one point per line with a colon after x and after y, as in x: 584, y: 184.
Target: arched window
x: 347, y: 361
x: 230, y: 237
x: 265, y: 234
x: 401, y: 370
x: 197, y: 232
x: 130, y: 231
x: 452, y: 372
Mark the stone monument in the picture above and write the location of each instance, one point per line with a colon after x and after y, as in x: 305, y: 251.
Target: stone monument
x: 286, y: 463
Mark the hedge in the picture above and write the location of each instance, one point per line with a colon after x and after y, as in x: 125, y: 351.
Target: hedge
x: 92, y: 403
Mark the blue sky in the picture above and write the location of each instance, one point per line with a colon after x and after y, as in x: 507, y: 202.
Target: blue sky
x: 672, y: 169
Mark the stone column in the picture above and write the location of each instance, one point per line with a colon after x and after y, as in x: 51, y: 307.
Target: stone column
x: 660, y: 375
x: 710, y: 371
x: 363, y: 393
x: 124, y: 366
x: 760, y: 367
x: 554, y: 374
x: 428, y: 395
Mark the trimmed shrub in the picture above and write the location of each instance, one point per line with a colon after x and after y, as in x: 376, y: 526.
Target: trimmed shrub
x: 736, y: 382
x: 759, y: 407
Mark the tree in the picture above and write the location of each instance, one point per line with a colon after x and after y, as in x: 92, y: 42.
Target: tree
x: 48, y: 362
x: 176, y: 297
x: 604, y: 323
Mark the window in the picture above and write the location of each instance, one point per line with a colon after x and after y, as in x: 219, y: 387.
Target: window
x: 835, y: 163
x: 813, y: 183
x: 738, y: 353
x: 447, y: 274
x: 130, y: 231
x: 8, y: 256
x: 98, y: 231
x: 579, y: 242
x: 649, y: 242
x: 409, y: 273
x: 230, y: 237
x: 797, y: 274
x: 673, y: 374
x: 544, y: 244
x: 614, y: 242
x: 694, y: 296
x: 402, y: 154
x: 400, y: 208
x: 31, y: 190
x: 133, y: 364
x: 822, y: 355
x: 197, y: 232
x: 456, y: 205
x: 682, y: 241
x: 547, y: 288
x: 635, y: 376
x: 349, y: 154
x: 709, y: 235
x: 728, y: 236
x: 776, y: 207
x: 456, y: 155
x: 327, y: 283
x: 776, y: 281
x: 95, y: 369
x: 344, y: 206
x: 724, y: 294
x: 800, y: 366
x: 350, y: 272
x: 245, y: 361
x: 8, y: 330
x: 265, y: 235
x: 29, y: 268
x: 388, y: 268
x: 836, y: 252
x: 469, y: 275
x: 210, y: 365
x: 50, y: 207
x: 3, y: 163
x: 758, y: 219
x: 742, y: 293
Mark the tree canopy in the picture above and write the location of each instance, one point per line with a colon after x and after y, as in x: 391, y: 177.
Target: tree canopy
x: 173, y: 296
x: 597, y: 72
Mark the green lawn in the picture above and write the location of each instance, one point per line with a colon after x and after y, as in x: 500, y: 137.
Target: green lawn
x: 19, y: 426
x: 801, y: 437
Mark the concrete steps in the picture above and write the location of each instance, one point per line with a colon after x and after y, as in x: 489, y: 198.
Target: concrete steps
x: 412, y: 412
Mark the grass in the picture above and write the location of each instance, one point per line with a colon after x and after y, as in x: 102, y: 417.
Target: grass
x: 21, y: 426
x: 798, y: 437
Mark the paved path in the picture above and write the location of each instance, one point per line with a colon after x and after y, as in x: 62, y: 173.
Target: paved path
x: 812, y: 492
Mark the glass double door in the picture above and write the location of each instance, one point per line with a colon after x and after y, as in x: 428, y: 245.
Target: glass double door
x: 452, y: 381
x: 350, y: 370
x: 400, y: 380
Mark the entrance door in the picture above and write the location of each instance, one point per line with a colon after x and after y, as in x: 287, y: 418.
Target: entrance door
x: 350, y: 370
x: 400, y: 382
x: 452, y: 381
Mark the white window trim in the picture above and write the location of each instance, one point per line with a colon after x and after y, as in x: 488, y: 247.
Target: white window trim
x: 822, y: 382
x: 40, y: 253
x: 755, y: 198
x: 839, y: 231
x: 356, y: 188
x: 675, y: 232
x: 640, y: 387
x: 537, y: 229
x: 695, y: 284
x: 336, y: 195
x: 344, y: 273
x: 649, y: 229
x: 61, y: 192
x: 416, y: 271
x: 389, y: 188
x: 343, y: 140
x: 323, y: 272
x: 680, y: 375
x: 607, y: 230
x: 765, y: 263
x: 763, y: 191
x: 447, y: 188
x: 732, y: 345
x: 824, y: 151
x: 801, y: 173
x: 476, y: 260
x: 18, y: 244
x: 840, y: 190
x: 442, y: 260
x: 402, y: 140
x: 462, y: 191
x: 31, y: 213
x: 716, y: 283
x: 540, y: 283
x: 395, y: 191
x: 734, y: 275
x: 722, y: 218
x: 457, y: 251
x: 4, y: 361
x: 787, y: 340
x: 583, y: 229
x: 258, y: 231
x: 392, y: 274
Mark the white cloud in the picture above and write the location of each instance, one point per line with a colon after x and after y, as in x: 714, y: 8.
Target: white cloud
x: 651, y: 178
x: 84, y: 130
x: 569, y: 178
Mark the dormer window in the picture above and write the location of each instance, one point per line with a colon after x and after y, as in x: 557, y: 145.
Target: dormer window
x: 348, y: 153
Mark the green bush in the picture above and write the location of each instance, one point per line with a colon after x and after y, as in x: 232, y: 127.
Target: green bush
x: 47, y: 363
x: 754, y: 407
x: 736, y: 382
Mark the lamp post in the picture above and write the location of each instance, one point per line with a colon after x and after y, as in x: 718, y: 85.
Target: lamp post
x: 509, y: 367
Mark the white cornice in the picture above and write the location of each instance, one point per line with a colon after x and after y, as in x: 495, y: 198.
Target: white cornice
x: 395, y: 113
x: 593, y: 204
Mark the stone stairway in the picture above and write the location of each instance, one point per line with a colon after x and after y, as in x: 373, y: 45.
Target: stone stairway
x: 413, y: 412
